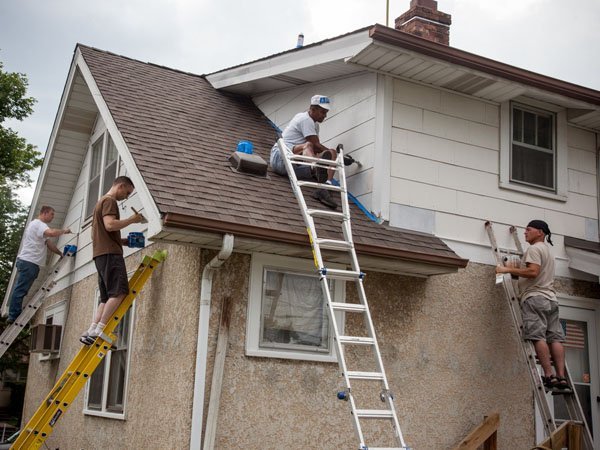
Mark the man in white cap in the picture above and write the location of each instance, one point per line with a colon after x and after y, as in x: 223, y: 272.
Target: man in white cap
x: 301, y: 136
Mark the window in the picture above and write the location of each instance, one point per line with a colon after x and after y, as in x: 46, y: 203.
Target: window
x: 287, y: 315
x: 533, y: 149
x: 106, y: 390
x: 55, y: 315
x: 103, y: 170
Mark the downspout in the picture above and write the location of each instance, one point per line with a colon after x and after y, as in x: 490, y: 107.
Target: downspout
x: 598, y: 179
x: 202, y: 344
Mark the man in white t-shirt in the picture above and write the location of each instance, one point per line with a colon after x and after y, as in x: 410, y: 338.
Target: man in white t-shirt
x: 301, y: 137
x: 539, y: 305
x: 33, y: 255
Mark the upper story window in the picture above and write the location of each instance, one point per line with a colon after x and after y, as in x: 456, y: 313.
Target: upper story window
x: 102, y: 169
x: 287, y: 314
x: 533, y: 148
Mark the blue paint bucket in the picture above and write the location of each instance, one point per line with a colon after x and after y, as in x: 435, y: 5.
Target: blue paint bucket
x: 245, y: 147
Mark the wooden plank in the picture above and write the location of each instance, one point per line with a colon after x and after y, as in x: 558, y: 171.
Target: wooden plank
x: 481, y: 434
x: 575, y: 432
x: 568, y: 435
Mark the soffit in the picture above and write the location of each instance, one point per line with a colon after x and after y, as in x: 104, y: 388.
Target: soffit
x: 410, y: 65
x: 214, y: 241
x: 402, y: 55
x: 67, y: 149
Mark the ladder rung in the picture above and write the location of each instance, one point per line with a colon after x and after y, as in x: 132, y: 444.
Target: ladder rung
x: 325, y: 213
x: 351, y: 307
x: 358, y: 340
x: 314, y: 184
x: 312, y: 159
x: 374, y: 413
x: 334, y: 244
x: 354, y: 375
x: 343, y: 274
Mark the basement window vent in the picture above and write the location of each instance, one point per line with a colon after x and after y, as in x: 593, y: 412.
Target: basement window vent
x: 45, y: 338
x: 249, y: 164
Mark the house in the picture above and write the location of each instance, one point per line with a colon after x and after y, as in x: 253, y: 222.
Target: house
x: 447, y: 139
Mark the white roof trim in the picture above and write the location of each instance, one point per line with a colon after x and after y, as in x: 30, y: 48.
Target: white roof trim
x: 328, y: 51
x: 584, y: 261
x: 150, y: 207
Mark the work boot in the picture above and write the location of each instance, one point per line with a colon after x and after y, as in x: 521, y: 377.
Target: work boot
x: 321, y: 174
x: 324, y: 197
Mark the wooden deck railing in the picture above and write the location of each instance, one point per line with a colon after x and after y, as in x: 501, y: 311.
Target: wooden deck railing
x: 568, y: 435
x: 485, y: 434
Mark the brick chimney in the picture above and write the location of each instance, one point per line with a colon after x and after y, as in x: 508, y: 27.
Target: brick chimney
x: 424, y: 20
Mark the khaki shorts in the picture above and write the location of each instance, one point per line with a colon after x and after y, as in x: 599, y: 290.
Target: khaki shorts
x: 540, y: 320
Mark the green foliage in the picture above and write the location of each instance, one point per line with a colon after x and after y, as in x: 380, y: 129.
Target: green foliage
x: 16, y: 357
x: 16, y: 156
x: 12, y: 221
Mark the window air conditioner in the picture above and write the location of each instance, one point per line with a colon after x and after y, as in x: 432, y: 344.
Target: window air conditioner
x: 45, y: 338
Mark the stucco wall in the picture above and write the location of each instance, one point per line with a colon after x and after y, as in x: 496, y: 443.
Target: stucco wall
x: 159, y: 397
x: 451, y: 357
x: 447, y: 342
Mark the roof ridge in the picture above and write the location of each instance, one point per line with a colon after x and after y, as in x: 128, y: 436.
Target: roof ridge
x: 203, y: 76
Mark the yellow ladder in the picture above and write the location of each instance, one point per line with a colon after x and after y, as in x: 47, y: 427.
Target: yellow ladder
x: 64, y: 392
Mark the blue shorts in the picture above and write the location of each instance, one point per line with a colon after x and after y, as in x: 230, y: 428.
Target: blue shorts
x: 278, y: 166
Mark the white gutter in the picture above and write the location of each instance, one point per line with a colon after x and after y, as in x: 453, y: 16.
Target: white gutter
x: 202, y: 344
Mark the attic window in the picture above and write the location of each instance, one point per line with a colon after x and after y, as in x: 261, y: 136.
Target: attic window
x: 103, y: 164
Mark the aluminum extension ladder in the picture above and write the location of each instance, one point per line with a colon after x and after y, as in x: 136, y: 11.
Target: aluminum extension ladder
x: 355, y: 274
x: 572, y: 403
x: 14, y: 329
x: 79, y: 371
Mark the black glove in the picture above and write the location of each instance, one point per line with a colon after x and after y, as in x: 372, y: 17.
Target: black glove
x: 348, y: 160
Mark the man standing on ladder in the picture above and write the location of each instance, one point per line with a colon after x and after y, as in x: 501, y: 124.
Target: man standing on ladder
x: 33, y: 255
x: 108, y: 255
x: 539, y: 305
x: 301, y: 136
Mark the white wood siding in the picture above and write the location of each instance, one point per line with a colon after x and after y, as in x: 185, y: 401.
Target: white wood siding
x: 83, y: 265
x: 445, y: 165
x: 350, y: 122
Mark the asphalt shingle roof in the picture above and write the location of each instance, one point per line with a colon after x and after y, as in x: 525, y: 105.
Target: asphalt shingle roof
x: 180, y: 132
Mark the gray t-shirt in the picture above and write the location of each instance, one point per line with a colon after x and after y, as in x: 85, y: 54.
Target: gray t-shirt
x: 298, y: 129
x: 543, y: 284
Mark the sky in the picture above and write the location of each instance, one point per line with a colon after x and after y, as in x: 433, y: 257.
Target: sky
x: 557, y: 38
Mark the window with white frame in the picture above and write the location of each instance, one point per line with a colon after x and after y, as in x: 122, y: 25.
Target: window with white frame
x: 55, y: 315
x: 287, y: 315
x: 103, y: 164
x: 107, y: 388
x: 533, y: 148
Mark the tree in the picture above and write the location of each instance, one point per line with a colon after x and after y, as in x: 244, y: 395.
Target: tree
x: 17, y: 159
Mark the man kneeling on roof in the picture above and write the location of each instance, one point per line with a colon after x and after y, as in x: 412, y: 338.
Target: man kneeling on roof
x: 301, y: 136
